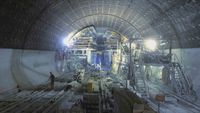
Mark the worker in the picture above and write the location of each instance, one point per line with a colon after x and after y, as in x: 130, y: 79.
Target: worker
x: 19, y: 89
x: 52, y: 79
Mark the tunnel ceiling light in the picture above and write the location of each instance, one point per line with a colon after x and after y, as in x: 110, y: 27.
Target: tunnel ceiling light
x: 67, y: 42
x: 150, y: 44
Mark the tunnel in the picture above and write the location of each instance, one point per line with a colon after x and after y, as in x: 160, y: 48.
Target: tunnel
x: 134, y: 56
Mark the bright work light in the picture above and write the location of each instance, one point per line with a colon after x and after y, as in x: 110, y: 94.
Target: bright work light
x: 150, y: 44
x: 68, y: 41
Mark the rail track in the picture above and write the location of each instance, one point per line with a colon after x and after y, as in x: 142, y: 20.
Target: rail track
x: 164, y: 89
x: 31, y: 102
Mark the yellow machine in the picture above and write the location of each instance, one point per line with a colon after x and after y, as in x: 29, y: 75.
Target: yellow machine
x: 90, y: 88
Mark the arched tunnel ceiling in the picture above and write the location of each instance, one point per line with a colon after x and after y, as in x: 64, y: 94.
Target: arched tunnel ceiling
x: 42, y: 24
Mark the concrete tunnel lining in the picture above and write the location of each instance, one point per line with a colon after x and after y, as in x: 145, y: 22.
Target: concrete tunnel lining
x: 53, y: 20
x: 30, y: 27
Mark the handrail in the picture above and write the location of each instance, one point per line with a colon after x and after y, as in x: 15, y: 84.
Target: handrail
x: 186, y: 86
x: 178, y: 84
x: 182, y: 71
x: 176, y: 59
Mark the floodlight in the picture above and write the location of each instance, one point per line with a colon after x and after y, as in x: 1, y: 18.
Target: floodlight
x: 150, y: 44
x: 68, y: 41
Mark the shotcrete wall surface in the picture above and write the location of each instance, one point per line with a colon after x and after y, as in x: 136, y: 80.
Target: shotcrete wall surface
x: 26, y: 68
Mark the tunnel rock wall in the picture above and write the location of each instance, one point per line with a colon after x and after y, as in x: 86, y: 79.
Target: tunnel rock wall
x: 7, y: 81
x: 26, y: 68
